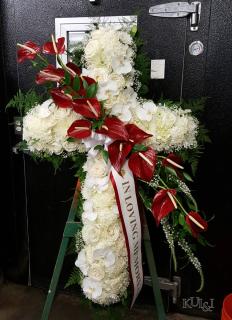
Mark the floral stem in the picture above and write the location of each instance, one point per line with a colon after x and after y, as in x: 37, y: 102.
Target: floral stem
x: 165, y: 185
x: 42, y: 58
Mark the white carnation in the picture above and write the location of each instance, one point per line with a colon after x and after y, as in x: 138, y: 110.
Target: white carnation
x: 45, y: 129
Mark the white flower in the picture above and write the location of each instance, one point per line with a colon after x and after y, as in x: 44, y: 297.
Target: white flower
x: 89, y: 216
x: 91, y: 233
x: 98, y: 168
x: 91, y: 288
x: 146, y: 111
x: 106, y: 255
x: 45, y: 129
x: 121, y: 66
x: 96, y: 271
x: 81, y: 262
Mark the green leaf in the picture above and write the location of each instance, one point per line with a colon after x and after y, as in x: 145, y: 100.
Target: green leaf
x: 171, y: 171
x: 182, y: 220
x: 145, y: 198
x: 70, y: 139
x: 133, y: 30
x: 105, y: 155
x: 91, y: 90
x: 139, y: 147
x: 99, y: 147
x: 67, y: 78
x: 76, y: 83
x: 187, y: 176
x: 97, y: 124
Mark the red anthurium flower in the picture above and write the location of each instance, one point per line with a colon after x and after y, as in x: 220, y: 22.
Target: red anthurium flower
x: 50, y: 73
x: 118, y: 151
x: 196, y: 223
x: 82, y: 91
x: 136, y: 135
x: 114, y: 128
x: 163, y: 204
x: 88, y: 80
x: 80, y: 129
x: 61, y: 99
x: 142, y: 164
x: 89, y: 108
x: 28, y: 50
x: 73, y: 68
x: 54, y: 47
x: 173, y: 161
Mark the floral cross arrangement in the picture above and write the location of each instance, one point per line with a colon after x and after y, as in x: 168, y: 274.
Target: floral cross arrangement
x: 133, y: 149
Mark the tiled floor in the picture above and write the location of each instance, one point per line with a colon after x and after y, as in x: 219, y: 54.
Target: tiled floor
x: 25, y: 303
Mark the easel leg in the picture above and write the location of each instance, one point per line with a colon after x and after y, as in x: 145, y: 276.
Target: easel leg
x: 71, y: 228
x: 55, y: 279
x: 153, y: 272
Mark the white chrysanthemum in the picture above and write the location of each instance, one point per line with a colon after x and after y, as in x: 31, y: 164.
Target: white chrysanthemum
x: 45, y: 129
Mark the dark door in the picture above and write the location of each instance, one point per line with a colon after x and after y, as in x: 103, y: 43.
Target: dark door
x: 43, y: 198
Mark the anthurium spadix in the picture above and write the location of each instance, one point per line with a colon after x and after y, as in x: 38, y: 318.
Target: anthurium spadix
x: 80, y: 129
x: 50, y: 73
x: 89, y: 108
x: 118, y: 151
x: 61, y: 99
x: 173, y: 161
x: 142, y: 164
x: 196, y: 223
x: 114, y: 128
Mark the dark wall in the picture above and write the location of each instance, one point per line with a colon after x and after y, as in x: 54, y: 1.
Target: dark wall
x: 207, y: 75
x: 215, y: 174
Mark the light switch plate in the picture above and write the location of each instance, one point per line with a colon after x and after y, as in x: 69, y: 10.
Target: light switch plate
x: 158, y: 69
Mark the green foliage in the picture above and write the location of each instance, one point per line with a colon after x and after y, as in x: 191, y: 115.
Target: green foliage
x: 192, y: 157
x: 146, y: 199
x: 139, y: 147
x: 142, y: 64
x: 79, y: 210
x: 75, y: 278
x: 92, y: 90
x: 71, y: 247
x: 197, y: 107
x: 23, y: 102
x: 76, y: 83
x: 76, y: 56
x: 78, y: 160
x: 104, y: 153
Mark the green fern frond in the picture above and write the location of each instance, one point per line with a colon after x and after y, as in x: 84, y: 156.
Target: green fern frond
x: 23, y: 102
x: 75, y: 278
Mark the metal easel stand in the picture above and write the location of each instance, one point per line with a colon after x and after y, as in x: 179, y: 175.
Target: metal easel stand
x: 70, y: 230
